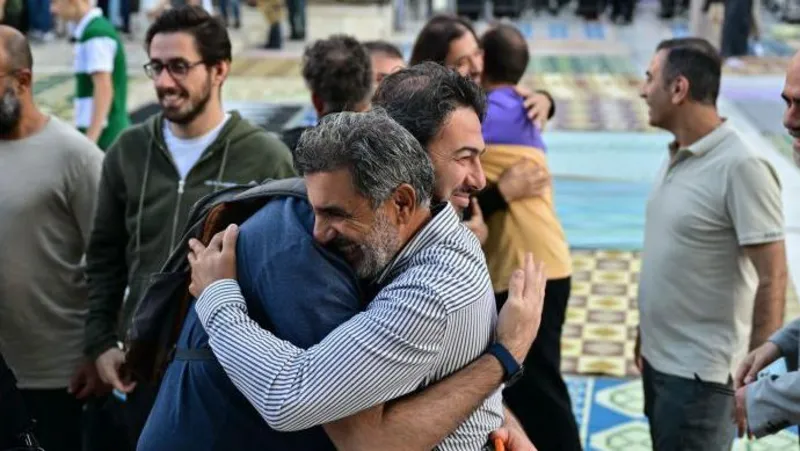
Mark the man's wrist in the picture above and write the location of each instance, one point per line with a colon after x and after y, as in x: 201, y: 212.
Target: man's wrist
x: 94, y: 351
x: 216, y: 295
x: 512, y: 368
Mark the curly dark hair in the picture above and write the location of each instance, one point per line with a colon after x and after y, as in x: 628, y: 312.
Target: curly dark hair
x: 422, y: 97
x: 210, y: 35
x: 339, y: 71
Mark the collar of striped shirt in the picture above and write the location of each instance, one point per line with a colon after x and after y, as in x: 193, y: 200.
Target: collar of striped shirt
x: 444, y: 221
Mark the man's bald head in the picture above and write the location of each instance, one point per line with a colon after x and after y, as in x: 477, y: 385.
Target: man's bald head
x: 16, y: 51
x: 505, y: 55
x: 791, y: 95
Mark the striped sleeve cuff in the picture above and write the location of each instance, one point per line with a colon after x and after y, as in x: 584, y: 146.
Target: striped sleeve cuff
x: 216, y: 297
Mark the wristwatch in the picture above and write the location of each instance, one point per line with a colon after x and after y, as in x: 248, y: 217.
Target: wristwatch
x: 512, y: 371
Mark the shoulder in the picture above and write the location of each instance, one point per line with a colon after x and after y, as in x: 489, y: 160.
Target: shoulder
x: 453, y: 271
x: 136, y: 135
x: 280, y: 213
x: 247, y: 136
x: 76, y: 152
x: 743, y: 160
x: 99, y: 27
x: 70, y: 140
x: 261, y: 151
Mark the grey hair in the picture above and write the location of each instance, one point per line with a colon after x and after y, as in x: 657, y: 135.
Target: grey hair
x: 380, y: 154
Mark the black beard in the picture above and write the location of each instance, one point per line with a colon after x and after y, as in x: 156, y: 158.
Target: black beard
x: 10, y: 112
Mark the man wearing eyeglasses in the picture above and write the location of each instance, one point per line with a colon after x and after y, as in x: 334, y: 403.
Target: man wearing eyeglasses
x: 156, y: 171
x: 101, y: 80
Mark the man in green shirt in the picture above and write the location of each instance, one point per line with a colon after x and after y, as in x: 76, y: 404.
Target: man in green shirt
x: 101, y: 81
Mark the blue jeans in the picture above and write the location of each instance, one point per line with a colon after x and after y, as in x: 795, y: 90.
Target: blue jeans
x: 234, y: 6
x: 297, y: 16
x: 686, y: 414
x: 39, y: 17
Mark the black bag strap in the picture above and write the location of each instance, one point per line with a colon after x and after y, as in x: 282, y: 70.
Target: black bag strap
x: 193, y: 354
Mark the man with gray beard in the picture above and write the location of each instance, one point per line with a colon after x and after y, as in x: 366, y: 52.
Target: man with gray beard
x: 155, y: 172
x: 49, y: 174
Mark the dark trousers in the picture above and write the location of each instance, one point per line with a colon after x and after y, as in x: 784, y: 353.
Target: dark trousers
x: 39, y: 17
x: 59, y: 418
x: 64, y: 423
x: 686, y: 414
x: 540, y: 399
x: 14, y: 417
x: 623, y: 9
x: 297, y: 17
x: 736, y: 27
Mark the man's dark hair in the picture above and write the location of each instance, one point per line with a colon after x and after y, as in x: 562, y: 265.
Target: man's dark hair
x: 339, y: 71
x: 422, y: 97
x: 384, y: 47
x: 380, y: 154
x: 433, y: 41
x: 210, y: 35
x: 505, y: 57
x: 696, y: 60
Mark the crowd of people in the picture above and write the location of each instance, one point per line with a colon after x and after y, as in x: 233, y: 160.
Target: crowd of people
x: 406, y: 291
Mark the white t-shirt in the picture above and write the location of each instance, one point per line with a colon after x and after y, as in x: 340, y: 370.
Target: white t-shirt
x: 186, y: 152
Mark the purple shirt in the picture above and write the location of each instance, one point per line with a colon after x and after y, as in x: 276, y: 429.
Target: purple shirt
x: 507, y: 121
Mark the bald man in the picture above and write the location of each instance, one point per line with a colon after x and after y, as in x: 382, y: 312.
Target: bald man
x: 49, y: 173
x: 772, y: 403
x: 791, y: 95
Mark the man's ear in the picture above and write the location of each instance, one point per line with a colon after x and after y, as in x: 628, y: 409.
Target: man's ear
x: 405, y: 202
x: 25, y: 79
x: 680, y: 90
x: 221, y: 71
x: 319, y: 104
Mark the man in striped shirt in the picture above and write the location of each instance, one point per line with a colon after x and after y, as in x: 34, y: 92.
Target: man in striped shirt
x: 101, y: 79
x: 370, y: 184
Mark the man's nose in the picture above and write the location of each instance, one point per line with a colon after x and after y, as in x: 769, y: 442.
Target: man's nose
x: 164, y: 79
x: 477, y: 178
x: 323, y: 233
x: 791, y: 117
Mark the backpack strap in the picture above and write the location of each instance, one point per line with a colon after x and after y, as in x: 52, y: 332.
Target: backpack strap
x: 292, y: 187
x: 193, y: 354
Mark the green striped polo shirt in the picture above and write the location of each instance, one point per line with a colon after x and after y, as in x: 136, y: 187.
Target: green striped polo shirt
x: 99, y: 48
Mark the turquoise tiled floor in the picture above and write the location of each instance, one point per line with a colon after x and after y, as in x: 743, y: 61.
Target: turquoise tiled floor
x: 610, y: 416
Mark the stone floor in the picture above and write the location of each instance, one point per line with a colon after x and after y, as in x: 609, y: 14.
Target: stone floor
x: 603, y: 155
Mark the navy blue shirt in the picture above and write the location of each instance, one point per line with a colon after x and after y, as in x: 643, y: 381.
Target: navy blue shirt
x: 294, y: 288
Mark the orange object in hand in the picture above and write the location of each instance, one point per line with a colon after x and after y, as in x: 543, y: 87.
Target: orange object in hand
x: 499, y: 445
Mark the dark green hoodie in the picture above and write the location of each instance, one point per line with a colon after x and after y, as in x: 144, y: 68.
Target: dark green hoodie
x: 142, y: 206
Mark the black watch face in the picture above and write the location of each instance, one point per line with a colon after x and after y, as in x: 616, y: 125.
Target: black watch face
x: 516, y: 376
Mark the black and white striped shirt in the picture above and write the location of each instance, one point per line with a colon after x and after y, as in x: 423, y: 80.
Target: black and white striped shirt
x: 434, y: 315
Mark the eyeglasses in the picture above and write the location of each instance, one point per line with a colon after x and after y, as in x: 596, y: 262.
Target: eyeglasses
x: 177, y: 68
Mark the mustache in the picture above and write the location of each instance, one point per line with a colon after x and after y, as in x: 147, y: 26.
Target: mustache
x: 466, y: 190
x: 340, y: 243
x: 163, y: 92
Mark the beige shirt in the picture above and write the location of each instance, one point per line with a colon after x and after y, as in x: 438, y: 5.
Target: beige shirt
x: 697, y: 288
x: 48, y: 187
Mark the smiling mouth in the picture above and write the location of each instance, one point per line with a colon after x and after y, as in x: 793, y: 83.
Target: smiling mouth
x: 460, y: 199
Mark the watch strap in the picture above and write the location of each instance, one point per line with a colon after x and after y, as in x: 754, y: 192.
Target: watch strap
x: 509, y: 363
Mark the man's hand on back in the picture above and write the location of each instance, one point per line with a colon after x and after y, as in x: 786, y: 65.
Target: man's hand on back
x: 215, y: 262
x: 519, y: 319
x: 523, y: 180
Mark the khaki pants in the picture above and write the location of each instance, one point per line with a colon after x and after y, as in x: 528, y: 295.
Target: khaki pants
x: 272, y: 10
x: 713, y: 20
